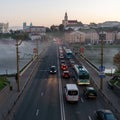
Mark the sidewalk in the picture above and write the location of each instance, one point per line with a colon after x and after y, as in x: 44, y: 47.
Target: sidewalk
x: 8, y: 97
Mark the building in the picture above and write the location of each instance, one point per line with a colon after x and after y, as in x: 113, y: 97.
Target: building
x: 73, y: 24
x: 35, y: 32
x: 91, y: 36
x: 75, y: 37
x: 4, y: 27
x: 33, y: 29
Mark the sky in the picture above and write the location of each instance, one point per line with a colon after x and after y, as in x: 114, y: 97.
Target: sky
x: 51, y: 12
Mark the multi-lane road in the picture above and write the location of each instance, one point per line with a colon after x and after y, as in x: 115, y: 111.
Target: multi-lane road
x: 44, y: 98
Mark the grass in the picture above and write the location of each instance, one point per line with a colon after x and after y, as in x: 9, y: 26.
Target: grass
x: 3, y: 82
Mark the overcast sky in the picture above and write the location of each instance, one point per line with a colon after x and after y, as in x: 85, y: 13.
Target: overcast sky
x: 49, y: 12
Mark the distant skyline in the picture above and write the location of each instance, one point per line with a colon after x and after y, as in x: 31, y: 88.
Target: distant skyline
x: 49, y: 12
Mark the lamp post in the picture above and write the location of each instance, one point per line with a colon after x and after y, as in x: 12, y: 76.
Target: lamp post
x: 102, y: 68
x: 17, y: 60
x: 37, y: 47
x: 101, y: 81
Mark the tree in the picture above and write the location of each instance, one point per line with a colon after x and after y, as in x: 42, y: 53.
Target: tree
x: 116, y: 61
x: 61, y: 27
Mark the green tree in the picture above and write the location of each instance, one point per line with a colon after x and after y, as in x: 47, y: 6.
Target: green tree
x: 116, y: 60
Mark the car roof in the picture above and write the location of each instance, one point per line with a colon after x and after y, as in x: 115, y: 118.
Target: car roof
x: 63, y: 64
x: 71, y: 86
x: 53, y: 66
x: 105, y: 110
x: 90, y: 88
x: 66, y: 71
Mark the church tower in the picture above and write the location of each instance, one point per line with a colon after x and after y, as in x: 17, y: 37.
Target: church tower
x: 65, y: 21
x: 66, y: 17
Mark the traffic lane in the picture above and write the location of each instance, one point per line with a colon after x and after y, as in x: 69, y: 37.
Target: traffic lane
x: 48, y: 106
x: 85, y: 107
x: 30, y: 108
x: 41, y: 101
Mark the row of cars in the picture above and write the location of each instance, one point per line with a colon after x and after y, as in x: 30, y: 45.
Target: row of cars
x: 89, y: 91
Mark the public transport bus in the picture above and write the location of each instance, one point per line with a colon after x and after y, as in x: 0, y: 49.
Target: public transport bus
x: 82, y: 75
x: 68, y: 53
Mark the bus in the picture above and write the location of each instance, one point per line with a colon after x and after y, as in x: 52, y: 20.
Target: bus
x: 82, y: 75
x: 68, y: 53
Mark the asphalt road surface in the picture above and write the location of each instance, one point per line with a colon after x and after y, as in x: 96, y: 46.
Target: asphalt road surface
x: 44, y: 99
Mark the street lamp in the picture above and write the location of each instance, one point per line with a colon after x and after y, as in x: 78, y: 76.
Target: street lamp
x: 18, y: 43
x: 102, y: 68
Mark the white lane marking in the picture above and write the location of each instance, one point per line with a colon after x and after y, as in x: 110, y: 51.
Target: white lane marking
x: 37, y: 112
x: 89, y: 118
x: 82, y: 100
x: 42, y: 93
x: 60, y: 91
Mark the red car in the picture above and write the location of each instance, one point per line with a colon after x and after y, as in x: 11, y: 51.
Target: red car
x: 66, y: 74
x: 64, y: 67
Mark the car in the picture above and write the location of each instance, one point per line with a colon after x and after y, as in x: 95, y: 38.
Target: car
x: 90, y: 92
x: 53, y: 69
x: 72, y: 93
x: 64, y: 66
x: 61, y: 56
x: 66, y: 74
x: 72, y: 62
x: 104, y: 114
x: 62, y: 61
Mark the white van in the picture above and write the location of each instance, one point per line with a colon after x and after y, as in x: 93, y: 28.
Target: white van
x: 71, y: 93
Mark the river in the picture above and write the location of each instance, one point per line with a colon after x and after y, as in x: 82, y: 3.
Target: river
x: 8, y: 54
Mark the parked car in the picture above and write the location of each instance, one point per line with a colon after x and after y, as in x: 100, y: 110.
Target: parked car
x: 64, y: 67
x: 90, y: 92
x: 103, y: 114
x: 53, y: 69
x: 66, y: 74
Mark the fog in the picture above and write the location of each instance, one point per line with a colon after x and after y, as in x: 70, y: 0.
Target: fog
x: 8, y: 55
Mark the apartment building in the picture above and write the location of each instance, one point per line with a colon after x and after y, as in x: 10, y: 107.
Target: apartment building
x: 4, y: 27
x: 75, y: 37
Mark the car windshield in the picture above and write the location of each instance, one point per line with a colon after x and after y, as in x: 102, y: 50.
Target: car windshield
x: 109, y: 116
x: 92, y: 91
x: 53, y: 68
x: 84, y: 76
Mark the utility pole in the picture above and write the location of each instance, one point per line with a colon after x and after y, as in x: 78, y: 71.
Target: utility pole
x: 102, y: 68
x: 17, y: 58
x: 101, y: 81
x: 37, y: 47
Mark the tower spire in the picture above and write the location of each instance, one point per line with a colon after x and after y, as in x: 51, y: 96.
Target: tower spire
x: 66, y: 17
